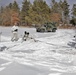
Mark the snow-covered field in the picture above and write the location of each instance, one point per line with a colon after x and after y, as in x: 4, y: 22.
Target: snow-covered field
x: 49, y: 55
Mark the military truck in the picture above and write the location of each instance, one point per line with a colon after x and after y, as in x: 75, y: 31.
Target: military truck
x: 47, y: 27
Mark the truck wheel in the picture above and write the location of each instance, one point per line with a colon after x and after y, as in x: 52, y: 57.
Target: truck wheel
x: 37, y: 30
x: 53, y: 30
x: 42, y: 30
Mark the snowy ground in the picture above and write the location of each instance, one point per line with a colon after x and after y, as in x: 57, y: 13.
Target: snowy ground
x: 49, y: 55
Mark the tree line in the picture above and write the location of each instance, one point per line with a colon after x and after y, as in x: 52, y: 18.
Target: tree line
x: 37, y: 13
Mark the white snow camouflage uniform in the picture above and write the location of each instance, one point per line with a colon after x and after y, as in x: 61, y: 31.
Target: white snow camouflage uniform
x: 14, y: 33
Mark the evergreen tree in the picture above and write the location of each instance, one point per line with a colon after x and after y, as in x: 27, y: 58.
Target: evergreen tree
x: 53, y: 3
x: 15, y: 6
x: 60, y: 10
x: 65, y: 8
x: 42, y: 11
x: 1, y: 15
x: 65, y: 11
x: 10, y: 6
x: 24, y: 11
x: 1, y: 9
x: 73, y: 21
x: 54, y: 6
x: 74, y: 10
x: 15, y: 13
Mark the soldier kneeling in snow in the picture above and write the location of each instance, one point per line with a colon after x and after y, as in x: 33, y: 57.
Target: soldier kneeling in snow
x: 26, y: 36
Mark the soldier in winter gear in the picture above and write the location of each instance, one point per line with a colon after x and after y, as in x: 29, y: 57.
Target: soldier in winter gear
x: 25, y: 36
x: 14, y: 33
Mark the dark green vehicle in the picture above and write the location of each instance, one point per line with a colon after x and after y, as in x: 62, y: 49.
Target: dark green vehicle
x: 47, y: 27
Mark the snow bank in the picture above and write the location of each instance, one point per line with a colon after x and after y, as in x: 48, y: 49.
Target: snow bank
x: 51, y: 51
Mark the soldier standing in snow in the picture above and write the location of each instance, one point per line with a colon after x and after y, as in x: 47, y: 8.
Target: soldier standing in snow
x: 15, y: 32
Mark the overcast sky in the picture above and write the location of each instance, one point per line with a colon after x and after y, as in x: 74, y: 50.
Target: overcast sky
x: 6, y: 2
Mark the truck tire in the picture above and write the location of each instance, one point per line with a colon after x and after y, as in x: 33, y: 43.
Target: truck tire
x: 53, y: 30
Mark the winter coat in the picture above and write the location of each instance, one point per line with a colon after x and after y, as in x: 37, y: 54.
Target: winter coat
x: 15, y: 29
